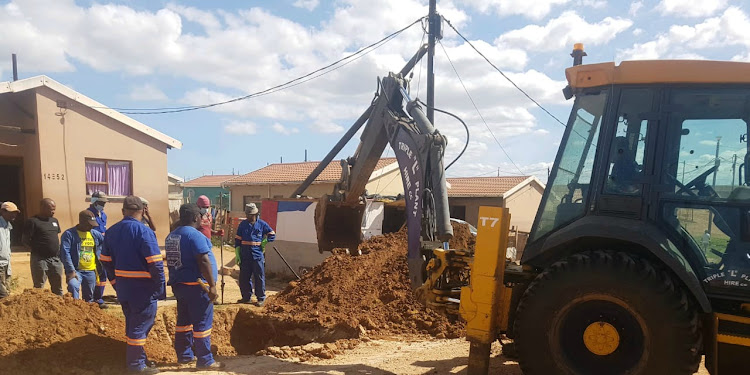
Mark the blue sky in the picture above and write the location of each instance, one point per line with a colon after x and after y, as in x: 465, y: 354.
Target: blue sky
x: 148, y: 54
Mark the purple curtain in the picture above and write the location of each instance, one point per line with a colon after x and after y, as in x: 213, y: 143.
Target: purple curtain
x: 119, y: 178
x: 95, y: 173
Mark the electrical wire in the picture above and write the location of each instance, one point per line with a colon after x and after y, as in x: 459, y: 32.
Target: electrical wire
x: 503, y: 74
x: 466, y: 144
x: 294, y: 82
x: 421, y: 63
x: 477, y: 108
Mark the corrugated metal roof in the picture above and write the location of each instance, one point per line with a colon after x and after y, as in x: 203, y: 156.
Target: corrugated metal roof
x: 209, y: 180
x: 482, y: 186
x: 281, y: 173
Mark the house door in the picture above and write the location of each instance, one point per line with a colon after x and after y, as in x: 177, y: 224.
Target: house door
x: 11, y: 189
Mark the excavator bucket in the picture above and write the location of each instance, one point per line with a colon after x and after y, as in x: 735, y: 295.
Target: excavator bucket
x: 338, y: 225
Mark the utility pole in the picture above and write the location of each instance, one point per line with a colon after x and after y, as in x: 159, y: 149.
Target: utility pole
x: 716, y: 161
x: 713, y: 184
x: 734, y: 168
x: 683, y: 171
x: 433, y: 28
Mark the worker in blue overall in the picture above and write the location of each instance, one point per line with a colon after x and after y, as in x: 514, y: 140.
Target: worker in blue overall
x: 98, y: 201
x: 192, y: 275
x: 132, y: 257
x: 250, y: 257
x: 80, y: 249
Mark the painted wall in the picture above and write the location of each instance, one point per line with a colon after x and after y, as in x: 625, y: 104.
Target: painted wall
x: 66, y: 141
x: 472, y: 206
x: 211, y: 192
x: 523, y: 205
x: 272, y: 191
x: 387, y: 183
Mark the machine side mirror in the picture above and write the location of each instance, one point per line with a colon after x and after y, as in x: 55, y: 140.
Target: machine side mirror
x: 685, y: 132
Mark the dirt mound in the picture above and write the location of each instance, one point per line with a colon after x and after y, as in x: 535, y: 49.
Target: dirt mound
x: 463, y: 239
x: 46, y: 334
x: 367, y: 295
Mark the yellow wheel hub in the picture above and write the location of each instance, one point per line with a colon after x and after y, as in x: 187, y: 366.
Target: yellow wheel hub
x: 601, y: 338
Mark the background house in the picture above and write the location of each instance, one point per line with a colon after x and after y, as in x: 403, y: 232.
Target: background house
x: 210, y: 186
x: 294, y: 219
x: 60, y: 144
x: 174, y: 189
x: 520, y: 194
x: 279, y: 180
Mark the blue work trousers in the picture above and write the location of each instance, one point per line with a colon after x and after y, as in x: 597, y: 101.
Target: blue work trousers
x: 252, y: 273
x: 83, y: 285
x: 139, y: 318
x: 101, y: 283
x: 195, y: 317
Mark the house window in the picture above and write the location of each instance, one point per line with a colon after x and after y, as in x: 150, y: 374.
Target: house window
x: 458, y: 212
x: 112, y: 177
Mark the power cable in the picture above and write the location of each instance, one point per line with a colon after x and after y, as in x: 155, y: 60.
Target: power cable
x: 466, y: 144
x: 422, y: 62
x: 477, y: 108
x: 294, y: 82
x: 503, y: 74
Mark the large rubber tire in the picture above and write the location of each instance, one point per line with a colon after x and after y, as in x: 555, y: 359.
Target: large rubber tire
x: 657, y: 323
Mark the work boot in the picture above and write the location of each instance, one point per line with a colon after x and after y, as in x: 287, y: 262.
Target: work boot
x: 215, y: 365
x: 243, y: 300
x: 260, y: 303
x: 188, y: 362
x: 145, y: 371
x: 103, y: 306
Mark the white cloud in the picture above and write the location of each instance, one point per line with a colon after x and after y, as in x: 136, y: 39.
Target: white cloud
x: 690, y: 8
x: 635, y: 7
x: 637, y: 32
x: 732, y: 28
x: 221, y: 55
x: 307, y: 4
x: 281, y: 129
x: 596, y: 4
x: 536, y: 9
x: 147, y: 92
x: 326, y: 127
x: 562, y: 32
x: 241, y: 128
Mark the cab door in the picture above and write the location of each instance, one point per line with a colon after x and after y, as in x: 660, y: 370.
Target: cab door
x: 629, y: 166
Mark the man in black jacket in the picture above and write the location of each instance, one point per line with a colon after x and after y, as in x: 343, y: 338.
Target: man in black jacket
x: 41, y: 234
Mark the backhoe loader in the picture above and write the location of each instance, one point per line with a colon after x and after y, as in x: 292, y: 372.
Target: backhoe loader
x: 638, y: 261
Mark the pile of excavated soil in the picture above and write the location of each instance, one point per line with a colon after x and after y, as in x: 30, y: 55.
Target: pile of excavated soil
x: 367, y: 295
x: 345, y: 300
x: 45, y: 334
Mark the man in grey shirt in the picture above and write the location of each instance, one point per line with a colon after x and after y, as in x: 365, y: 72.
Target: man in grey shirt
x: 8, y: 213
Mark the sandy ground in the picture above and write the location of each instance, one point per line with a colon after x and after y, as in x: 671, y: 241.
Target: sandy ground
x: 399, y: 355
x: 22, y: 273
x: 374, y: 357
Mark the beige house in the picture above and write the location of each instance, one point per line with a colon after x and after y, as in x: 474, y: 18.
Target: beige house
x: 60, y: 144
x: 521, y: 195
x: 280, y: 180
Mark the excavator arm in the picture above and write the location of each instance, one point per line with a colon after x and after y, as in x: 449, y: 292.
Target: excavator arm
x: 392, y: 119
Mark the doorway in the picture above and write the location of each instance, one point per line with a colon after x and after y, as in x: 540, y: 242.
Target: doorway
x: 11, y: 189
